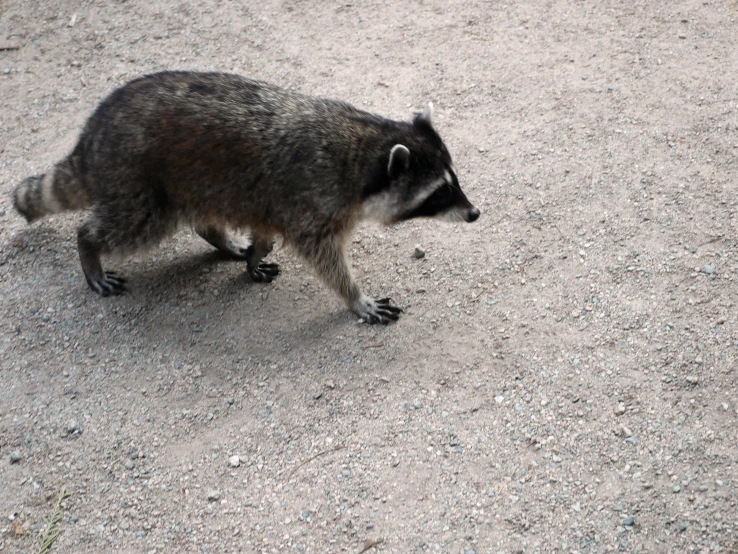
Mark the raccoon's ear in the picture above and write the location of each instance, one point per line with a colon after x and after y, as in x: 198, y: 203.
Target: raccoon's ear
x: 399, y: 160
x: 425, y: 117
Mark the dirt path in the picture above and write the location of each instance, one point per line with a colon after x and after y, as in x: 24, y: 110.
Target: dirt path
x: 564, y: 379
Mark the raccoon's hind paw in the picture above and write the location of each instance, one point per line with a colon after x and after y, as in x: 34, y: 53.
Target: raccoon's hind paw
x: 379, y: 311
x: 110, y: 285
x: 264, y: 273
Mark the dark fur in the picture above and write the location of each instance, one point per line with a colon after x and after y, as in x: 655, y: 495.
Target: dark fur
x: 218, y: 152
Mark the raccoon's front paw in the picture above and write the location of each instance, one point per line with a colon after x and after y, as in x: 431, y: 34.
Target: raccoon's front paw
x: 110, y: 285
x: 264, y: 273
x: 377, y: 311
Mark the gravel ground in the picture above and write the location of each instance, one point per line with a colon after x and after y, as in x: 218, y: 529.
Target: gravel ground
x: 563, y: 380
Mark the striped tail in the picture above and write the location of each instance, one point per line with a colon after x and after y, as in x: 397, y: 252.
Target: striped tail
x: 50, y: 193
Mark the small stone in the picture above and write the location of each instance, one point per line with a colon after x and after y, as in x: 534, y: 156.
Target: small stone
x: 130, y: 464
x: 692, y: 380
x: 707, y: 269
x: 229, y: 401
x: 72, y: 426
x: 318, y: 395
x: 15, y: 457
x: 676, y: 489
x: 234, y: 461
x: 499, y: 399
x: 683, y: 526
x: 724, y: 406
x: 626, y: 432
x: 619, y: 409
x: 628, y: 521
x: 419, y: 253
x: 213, y: 496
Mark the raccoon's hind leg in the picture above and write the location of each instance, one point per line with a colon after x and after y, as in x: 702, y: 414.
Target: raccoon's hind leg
x: 224, y: 241
x: 261, y: 246
x: 329, y: 260
x: 104, y: 283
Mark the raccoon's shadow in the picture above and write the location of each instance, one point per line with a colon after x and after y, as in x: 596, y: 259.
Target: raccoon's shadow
x: 37, y: 236
x: 231, y: 295
x: 154, y: 283
x: 180, y: 274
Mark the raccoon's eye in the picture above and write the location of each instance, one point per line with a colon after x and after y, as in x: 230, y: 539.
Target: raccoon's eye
x: 444, y: 193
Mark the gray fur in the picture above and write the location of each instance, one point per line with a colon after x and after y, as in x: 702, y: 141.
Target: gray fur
x: 221, y: 152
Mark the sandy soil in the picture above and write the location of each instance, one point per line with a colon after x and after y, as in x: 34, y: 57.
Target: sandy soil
x: 564, y: 379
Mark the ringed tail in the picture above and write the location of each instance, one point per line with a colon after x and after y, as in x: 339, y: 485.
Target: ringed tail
x: 60, y: 190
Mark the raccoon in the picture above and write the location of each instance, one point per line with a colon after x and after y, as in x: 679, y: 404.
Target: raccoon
x: 224, y: 153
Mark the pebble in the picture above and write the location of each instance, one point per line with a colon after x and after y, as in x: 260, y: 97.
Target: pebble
x: 676, y: 489
x: 708, y: 269
x: 619, y: 409
x: 419, y: 253
x: 318, y: 395
x: 130, y: 464
x: 72, y: 426
x: 628, y: 521
x: 234, y: 461
x: 213, y: 496
x: 15, y: 457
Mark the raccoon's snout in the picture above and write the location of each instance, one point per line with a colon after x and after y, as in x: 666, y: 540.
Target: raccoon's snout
x: 472, y: 214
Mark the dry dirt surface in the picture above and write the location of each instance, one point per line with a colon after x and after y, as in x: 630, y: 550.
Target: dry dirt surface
x: 563, y: 379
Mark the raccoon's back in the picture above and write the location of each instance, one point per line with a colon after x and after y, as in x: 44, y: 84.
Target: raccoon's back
x: 200, y: 132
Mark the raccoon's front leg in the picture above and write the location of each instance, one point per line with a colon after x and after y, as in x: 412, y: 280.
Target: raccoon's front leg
x: 330, y: 262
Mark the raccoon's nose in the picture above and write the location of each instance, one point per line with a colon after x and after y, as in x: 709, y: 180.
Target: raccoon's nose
x: 472, y: 214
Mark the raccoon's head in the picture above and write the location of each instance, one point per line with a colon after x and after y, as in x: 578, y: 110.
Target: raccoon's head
x: 418, y: 179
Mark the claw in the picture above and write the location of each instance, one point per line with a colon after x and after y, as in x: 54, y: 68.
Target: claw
x: 380, y: 311
x: 110, y: 285
x: 264, y: 273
